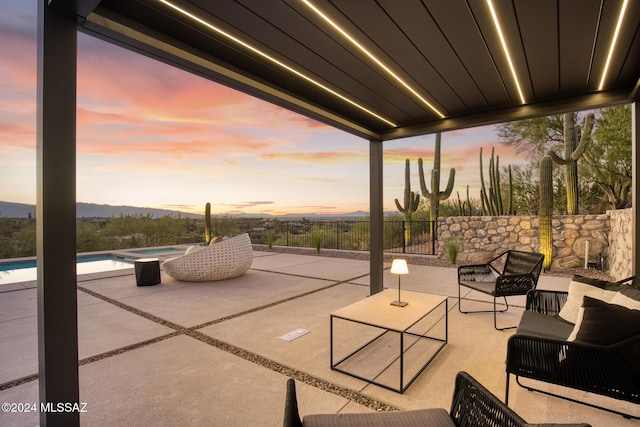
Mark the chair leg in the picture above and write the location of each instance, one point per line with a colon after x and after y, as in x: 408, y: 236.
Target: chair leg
x: 506, y: 392
x: 480, y: 311
x: 495, y: 322
x: 495, y: 310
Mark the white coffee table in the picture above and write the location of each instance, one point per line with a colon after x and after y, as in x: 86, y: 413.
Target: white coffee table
x: 387, y: 345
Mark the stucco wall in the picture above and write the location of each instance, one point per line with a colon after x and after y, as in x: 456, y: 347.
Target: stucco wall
x: 483, y: 237
x: 620, y: 243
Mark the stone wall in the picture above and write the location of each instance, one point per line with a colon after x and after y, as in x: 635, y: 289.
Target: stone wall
x: 620, y: 246
x: 483, y: 237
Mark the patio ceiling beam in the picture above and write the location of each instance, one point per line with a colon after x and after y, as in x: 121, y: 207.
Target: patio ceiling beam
x: 635, y: 93
x: 56, y: 213
x: 522, y: 112
x: 75, y: 7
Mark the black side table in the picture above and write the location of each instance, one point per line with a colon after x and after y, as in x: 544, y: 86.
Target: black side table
x: 147, y: 271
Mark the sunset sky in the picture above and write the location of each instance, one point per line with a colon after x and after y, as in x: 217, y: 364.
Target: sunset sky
x: 151, y: 135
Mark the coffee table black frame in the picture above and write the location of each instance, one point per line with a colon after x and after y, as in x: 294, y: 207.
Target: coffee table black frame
x: 376, y: 311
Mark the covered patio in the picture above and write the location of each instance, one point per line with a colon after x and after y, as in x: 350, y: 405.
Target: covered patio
x: 209, y: 353
x: 382, y: 71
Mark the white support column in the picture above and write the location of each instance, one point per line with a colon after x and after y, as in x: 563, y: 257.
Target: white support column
x: 56, y: 213
x: 376, y: 209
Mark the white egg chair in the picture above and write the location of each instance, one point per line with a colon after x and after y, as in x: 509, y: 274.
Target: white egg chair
x: 219, y: 261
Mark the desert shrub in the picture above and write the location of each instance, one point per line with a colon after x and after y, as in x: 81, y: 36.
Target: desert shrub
x: 453, y: 246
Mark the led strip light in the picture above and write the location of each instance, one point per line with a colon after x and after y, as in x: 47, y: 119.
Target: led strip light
x: 613, y: 43
x: 274, y: 60
x: 496, y: 23
x: 371, y: 56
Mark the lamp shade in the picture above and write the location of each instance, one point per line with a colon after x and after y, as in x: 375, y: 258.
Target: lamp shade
x: 399, y: 266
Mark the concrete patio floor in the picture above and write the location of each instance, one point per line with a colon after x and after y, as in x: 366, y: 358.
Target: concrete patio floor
x: 208, y: 354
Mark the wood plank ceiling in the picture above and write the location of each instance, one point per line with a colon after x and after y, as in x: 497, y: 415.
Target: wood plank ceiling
x: 446, y: 51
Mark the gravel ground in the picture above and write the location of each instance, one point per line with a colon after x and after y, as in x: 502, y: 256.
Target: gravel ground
x: 417, y: 260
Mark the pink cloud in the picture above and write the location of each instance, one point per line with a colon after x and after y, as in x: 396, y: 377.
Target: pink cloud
x: 18, y: 52
x: 154, y: 92
x: 122, y: 81
x: 114, y: 75
x: 245, y: 205
x: 458, y: 156
x: 399, y: 155
x: 317, y: 156
x: 17, y: 135
x: 117, y: 133
x: 183, y: 148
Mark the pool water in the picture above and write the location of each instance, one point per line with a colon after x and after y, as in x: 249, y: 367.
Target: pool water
x: 22, y: 271
x: 155, y: 251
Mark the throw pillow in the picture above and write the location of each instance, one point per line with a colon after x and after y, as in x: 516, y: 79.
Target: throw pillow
x: 193, y: 249
x: 605, y: 324
x: 216, y: 240
x: 576, y: 328
x: 631, y: 292
x: 579, y: 287
x: 629, y: 298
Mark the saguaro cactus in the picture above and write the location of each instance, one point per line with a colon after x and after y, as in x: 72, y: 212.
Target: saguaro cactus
x: 546, y: 210
x: 492, y: 203
x: 411, y: 202
x: 575, y: 143
x: 207, y: 223
x: 435, y: 195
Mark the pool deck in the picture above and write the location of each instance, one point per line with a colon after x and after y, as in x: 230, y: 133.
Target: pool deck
x: 208, y: 354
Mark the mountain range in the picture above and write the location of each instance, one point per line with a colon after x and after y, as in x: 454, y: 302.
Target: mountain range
x: 92, y: 210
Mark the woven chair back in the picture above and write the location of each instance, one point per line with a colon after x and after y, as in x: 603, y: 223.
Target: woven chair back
x: 523, y: 263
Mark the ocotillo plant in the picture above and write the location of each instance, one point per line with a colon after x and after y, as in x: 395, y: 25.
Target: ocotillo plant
x: 207, y: 223
x: 435, y: 195
x: 492, y: 203
x: 546, y: 211
x: 411, y: 201
x: 572, y: 152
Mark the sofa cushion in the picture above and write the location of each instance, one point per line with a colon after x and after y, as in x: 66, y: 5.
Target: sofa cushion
x: 420, y: 417
x: 579, y: 287
x: 607, y: 324
x: 541, y: 325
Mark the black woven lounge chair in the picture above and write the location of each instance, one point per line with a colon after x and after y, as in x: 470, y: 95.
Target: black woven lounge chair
x: 472, y: 405
x: 539, y: 350
x: 519, y: 274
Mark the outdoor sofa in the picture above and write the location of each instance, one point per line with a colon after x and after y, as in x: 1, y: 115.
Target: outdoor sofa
x: 587, y: 339
x: 472, y: 405
x: 221, y: 260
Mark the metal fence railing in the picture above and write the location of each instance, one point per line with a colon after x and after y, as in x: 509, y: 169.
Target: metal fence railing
x: 414, y: 237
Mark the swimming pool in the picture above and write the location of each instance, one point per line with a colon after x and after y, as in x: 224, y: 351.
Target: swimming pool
x: 23, y: 271
x: 155, y: 251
